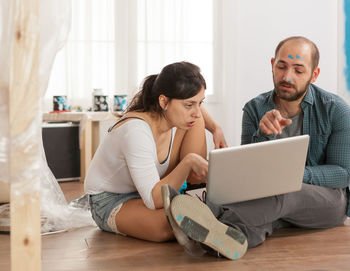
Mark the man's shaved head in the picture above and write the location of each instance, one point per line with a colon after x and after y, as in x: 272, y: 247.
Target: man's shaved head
x: 315, y: 55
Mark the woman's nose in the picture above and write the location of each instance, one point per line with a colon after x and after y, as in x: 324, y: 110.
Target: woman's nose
x: 197, y: 112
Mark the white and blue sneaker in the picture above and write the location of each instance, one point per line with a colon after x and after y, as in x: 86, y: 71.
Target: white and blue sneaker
x: 196, y: 220
x: 191, y: 247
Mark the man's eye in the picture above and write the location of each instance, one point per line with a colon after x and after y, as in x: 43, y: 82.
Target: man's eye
x: 280, y: 67
x: 188, y: 105
x: 297, y: 71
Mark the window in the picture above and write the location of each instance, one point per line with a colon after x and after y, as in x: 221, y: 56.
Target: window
x: 175, y: 30
x: 87, y: 61
x: 114, y: 44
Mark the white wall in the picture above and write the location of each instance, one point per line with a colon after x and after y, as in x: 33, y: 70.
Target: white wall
x: 251, y: 32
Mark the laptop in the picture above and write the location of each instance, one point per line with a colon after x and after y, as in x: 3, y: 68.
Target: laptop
x: 256, y: 170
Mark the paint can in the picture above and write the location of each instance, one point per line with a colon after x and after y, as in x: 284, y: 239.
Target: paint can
x: 99, y: 100
x: 120, y: 102
x: 60, y: 103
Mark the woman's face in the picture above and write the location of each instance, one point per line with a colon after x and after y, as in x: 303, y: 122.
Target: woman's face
x: 184, y: 113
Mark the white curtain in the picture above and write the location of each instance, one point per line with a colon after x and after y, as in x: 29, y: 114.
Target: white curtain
x: 88, y: 59
x: 175, y: 30
x: 114, y: 44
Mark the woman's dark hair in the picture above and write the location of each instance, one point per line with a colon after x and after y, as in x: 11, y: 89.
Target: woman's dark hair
x: 180, y: 80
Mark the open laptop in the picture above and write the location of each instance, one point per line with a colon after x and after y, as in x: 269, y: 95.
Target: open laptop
x: 256, y: 170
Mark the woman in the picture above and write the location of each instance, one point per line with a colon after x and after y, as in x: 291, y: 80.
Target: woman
x: 159, y: 140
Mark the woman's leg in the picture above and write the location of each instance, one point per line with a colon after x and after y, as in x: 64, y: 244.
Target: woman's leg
x: 194, y: 141
x: 136, y: 220
x: 188, y: 141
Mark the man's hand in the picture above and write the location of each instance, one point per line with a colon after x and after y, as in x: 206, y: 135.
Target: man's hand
x: 273, y: 123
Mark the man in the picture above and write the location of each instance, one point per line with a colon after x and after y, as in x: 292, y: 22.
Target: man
x: 295, y: 106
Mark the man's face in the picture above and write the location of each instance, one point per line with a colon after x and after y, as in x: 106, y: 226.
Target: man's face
x: 292, y: 71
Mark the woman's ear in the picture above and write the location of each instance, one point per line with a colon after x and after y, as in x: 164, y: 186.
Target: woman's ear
x: 163, y: 101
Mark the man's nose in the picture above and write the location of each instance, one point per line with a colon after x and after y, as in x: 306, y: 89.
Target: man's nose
x: 287, y: 76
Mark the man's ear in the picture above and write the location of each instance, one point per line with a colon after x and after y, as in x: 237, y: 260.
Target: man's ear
x: 163, y: 101
x: 315, y: 74
x: 272, y: 62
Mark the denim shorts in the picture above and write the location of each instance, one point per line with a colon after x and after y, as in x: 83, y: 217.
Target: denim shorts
x: 105, y: 206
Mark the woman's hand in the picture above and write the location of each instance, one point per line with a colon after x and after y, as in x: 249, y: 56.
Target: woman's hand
x: 219, y: 138
x: 215, y: 129
x: 199, y: 166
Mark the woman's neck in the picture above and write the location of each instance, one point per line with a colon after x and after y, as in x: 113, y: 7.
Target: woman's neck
x: 159, y: 124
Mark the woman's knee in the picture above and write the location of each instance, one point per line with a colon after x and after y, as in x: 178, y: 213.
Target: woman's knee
x: 161, y: 232
x: 194, y: 140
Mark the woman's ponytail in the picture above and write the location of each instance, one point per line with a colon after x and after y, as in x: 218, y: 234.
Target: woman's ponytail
x: 144, y: 100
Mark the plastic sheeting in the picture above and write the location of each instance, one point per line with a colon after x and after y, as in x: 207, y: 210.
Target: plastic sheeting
x: 54, y: 24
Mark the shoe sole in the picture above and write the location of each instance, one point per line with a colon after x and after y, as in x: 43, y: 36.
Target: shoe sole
x: 189, y: 245
x: 198, y: 222
x: 180, y: 236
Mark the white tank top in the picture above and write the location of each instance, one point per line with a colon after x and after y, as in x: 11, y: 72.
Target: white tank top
x: 126, y: 161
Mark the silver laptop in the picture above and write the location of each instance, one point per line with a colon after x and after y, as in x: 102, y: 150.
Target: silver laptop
x: 256, y: 170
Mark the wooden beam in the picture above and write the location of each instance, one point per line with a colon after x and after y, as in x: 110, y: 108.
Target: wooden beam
x: 85, y: 147
x: 24, y: 126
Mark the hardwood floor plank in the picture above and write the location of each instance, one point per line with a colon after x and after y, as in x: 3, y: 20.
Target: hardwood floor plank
x: 92, y: 249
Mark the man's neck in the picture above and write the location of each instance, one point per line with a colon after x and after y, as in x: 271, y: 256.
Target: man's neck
x: 288, y: 109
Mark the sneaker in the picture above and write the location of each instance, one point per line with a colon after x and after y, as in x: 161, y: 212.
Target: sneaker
x: 197, y: 221
x: 191, y: 247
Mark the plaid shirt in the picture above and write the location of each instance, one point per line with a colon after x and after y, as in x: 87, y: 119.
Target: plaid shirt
x: 326, y: 121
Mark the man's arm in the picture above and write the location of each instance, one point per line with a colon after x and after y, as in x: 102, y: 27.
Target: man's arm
x: 251, y: 132
x: 256, y: 130
x: 335, y: 172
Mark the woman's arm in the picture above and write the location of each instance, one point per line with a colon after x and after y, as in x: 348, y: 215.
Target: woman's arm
x: 179, y: 174
x: 212, y: 126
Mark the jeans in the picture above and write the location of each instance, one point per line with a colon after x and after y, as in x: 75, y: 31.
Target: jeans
x: 102, y: 205
x: 313, y: 207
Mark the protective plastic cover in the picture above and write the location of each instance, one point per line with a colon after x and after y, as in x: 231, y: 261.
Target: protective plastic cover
x: 54, y: 24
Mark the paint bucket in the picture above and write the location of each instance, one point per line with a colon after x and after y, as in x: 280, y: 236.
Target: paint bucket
x: 119, y: 102
x: 60, y: 103
x: 99, y: 101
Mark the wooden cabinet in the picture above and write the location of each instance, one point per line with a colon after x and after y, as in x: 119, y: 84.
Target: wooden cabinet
x: 92, y: 127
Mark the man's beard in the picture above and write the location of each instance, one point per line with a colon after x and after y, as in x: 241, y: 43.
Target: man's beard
x: 287, y: 95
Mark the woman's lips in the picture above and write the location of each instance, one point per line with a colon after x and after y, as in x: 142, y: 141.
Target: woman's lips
x: 190, y: 124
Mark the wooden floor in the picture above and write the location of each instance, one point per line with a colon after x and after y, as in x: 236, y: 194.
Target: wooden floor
x: 91, y: 249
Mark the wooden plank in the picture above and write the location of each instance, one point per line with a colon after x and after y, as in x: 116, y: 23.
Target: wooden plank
x: 89, y: 248
x: 24, y: 126
x: 85, y: 147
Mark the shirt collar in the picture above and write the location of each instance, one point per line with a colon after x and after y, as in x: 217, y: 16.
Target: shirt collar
x: 308, y: 99
x: 269, y: 100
